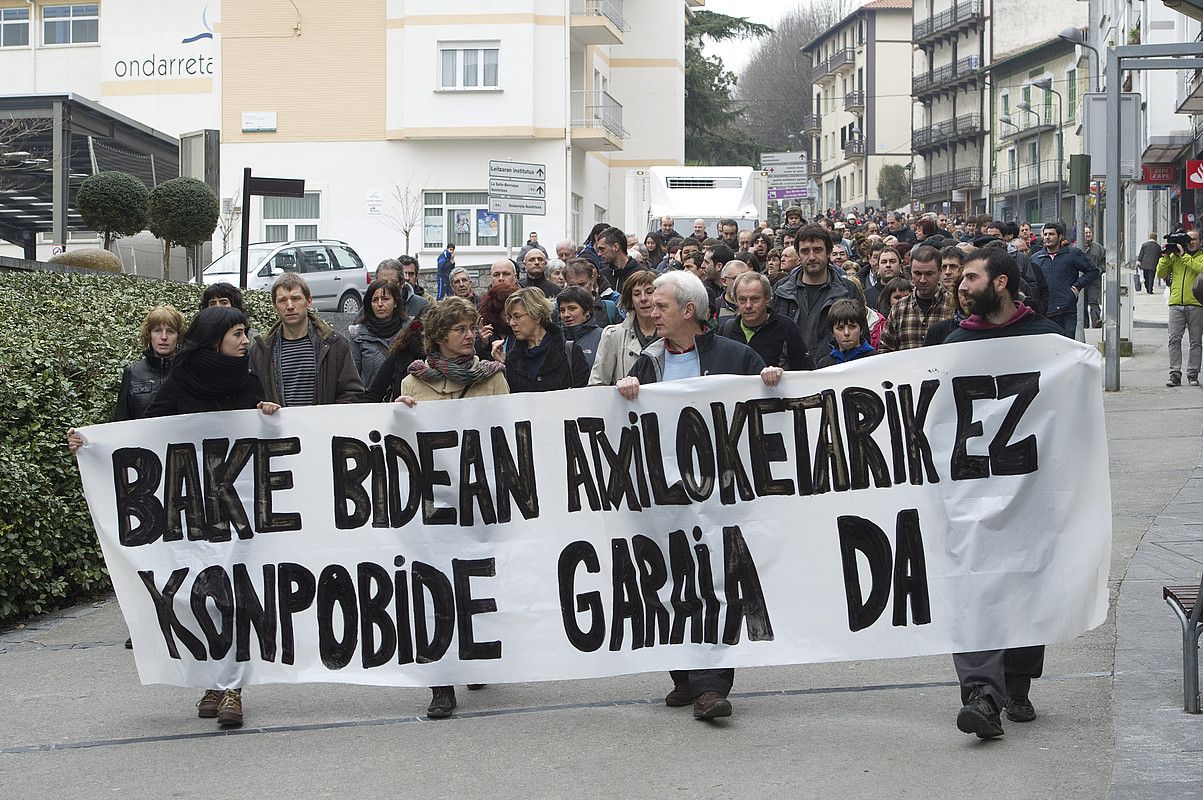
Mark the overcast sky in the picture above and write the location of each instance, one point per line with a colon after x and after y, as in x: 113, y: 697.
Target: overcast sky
x: 735, y: 53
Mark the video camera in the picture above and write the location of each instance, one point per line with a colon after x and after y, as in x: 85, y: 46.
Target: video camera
x: 1175, y: 243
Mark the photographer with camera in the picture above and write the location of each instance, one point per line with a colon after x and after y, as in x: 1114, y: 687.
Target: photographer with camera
x: 1180, y: 266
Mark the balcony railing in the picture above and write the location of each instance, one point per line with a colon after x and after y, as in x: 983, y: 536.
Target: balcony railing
x: 839, y: 59
x: 854, y: 101
x: 963, y: 12
x: 592, y: 110
x: 854, y: 148
x: 818, y: 72
x: 947, y: 75
x: 610, y: 9
x: 949, y: 130
x: 811, y: 124
x: 943, y: 183
x: 815, y: 167
x: 1030, y: 175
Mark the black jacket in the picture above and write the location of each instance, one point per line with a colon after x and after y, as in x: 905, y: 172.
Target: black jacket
x: 556, y: 372
x: 386, y: 386
x: 791, y: 300
x: 717, y: 355
x: 174, y: 399
x: 140, y: 382
x: 778, y: 341
x: 548, y: 288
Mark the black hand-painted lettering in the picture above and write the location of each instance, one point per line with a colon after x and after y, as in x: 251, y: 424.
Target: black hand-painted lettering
x: 136, y: 498
x: 467, y: 606
x: 297, y: 589
x: 733, y: 477
x: 741, y: 584
x: 628, y: 604
x: 515, y: 477
x: 577, y: 471
x: 572, y: 603
x: 251, y: 612
x: 766, y: 448
x: 695, y: 455
x: 653, y: 574
x: 223, y: 506
x: 336, y: 588
x: 965, y: 390
x: 1021, y: 457
x: 212, y: 584
x: 375, y: 589
x: 474, y: 482
x: 859, y: 534
x: 183, y: 495
x: 267, y: 481
x: 662, y: 493
x: 910, y: 570
x: 351, y: 462
x: 914, y: 419
x: 428, y: 443
x: 428, y: 580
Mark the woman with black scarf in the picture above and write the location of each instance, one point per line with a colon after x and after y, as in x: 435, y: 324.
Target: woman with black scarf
x: 380, y: 322
x: 211, y: 372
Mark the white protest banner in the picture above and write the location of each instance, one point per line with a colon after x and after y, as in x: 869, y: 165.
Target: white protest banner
x: 938, y: 500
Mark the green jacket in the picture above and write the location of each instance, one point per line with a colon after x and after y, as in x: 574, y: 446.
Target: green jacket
x: 1185, y: 270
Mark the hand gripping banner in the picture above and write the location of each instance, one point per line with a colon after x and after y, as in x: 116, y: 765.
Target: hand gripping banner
x: 947, y: 499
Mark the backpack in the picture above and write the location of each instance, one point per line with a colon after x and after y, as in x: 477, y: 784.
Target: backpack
x: 1197, y: 289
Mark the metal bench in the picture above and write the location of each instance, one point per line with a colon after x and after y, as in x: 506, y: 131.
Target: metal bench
x: 1185, y: 602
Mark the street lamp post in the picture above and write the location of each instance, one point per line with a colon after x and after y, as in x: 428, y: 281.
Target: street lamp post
x: 1024, y: 105
x: 1075, y: 37
x: 1005, y: 119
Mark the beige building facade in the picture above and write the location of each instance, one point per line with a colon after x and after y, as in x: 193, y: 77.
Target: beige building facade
x: 861, y: 105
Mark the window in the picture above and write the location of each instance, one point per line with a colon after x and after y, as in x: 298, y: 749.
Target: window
x: 74, y: 24
x: 291, y: 218
x: 468, y: 65
x: 14, y: 27
x: 1006, y: 105
x: 577, y: 203
x: 464, y: 219
x: 1071, y: 94
x: 599, y: 215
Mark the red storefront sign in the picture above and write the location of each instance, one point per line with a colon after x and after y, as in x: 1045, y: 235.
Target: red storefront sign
x: 1158, y: 173
x: 1194, y: 174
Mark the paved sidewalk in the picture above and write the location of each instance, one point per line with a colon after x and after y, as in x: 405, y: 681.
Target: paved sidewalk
x: 77, y: 722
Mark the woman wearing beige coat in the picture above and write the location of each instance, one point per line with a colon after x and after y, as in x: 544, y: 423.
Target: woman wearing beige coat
x: 450, y: 371
x: 451, y: 368
x: 621, y: 344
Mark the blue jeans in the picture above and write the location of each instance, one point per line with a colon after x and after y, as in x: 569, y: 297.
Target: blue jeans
x: 444, y: 283
x: 1068, y: 323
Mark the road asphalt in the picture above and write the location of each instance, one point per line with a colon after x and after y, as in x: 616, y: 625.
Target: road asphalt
x: 77, y: 723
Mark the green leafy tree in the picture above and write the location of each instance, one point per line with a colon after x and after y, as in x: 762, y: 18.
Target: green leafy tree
x: 113, y: 204
x: 894, y: 186
x: 183, y: 213
x: 715, y: 129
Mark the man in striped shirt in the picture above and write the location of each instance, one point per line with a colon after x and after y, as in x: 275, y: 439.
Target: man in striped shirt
x: 302, y: 361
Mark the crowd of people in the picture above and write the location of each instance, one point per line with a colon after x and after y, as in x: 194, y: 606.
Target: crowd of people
x: 622, y: 311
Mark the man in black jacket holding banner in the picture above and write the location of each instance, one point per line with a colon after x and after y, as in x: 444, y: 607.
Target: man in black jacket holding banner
x: 687, y: 348
x: 993, y: 680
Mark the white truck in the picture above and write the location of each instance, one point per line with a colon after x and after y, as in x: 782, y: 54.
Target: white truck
x: 690, y: 193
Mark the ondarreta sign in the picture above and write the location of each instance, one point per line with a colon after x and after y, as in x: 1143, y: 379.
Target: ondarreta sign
x: 950, y: 499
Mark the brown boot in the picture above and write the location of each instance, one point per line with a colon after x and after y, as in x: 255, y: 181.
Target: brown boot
x: 206, y: 707
x: 711, y: 705
x: 229, y: 711
x: 679, y: 696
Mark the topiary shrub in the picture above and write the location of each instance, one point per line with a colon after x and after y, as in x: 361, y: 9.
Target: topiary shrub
x: 64, y: 339
x: 113, y: 204
x: 183, y: 212
x: 89, y: 258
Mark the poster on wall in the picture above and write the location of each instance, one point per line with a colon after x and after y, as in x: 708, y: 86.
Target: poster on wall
x: 488, y: 224
x: 463, y: 223
x: 432, y: 231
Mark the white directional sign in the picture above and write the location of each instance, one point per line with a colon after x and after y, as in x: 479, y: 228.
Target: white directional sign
x: 517, y: 205
x: 517, y: 187
x: 770, y: 159
x: 518, y: 170
x: 500, y: 187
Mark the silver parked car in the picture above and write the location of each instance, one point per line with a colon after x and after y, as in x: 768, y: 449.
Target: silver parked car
x: 336, y: 275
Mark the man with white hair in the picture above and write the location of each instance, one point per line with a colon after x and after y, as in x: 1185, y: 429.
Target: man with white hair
x: 687, y: 348
x: 727, y: 306
x: 566, y: 249
x: 699, y: 230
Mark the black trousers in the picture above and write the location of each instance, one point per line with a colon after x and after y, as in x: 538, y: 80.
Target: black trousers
x: 1149, y: 274
x: 1000, y: 673
x: 701, y: 681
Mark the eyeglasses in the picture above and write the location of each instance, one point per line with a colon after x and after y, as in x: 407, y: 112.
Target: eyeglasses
x: 512, y: 318
x: 461, y: 330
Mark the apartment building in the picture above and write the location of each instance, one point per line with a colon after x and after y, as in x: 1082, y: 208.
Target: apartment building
x: 391, y: 110
x: 1036, y: 95
x: 861, y: 117
x: 952, y: 39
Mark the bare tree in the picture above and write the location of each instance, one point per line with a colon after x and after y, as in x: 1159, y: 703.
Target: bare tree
x: 23, y: 162
x: 402, y: 210
x: 229, y: 218
x: 774, y: 87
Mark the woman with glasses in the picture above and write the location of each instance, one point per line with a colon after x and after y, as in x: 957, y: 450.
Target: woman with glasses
x: 451, y: 370
x: 537, y: 358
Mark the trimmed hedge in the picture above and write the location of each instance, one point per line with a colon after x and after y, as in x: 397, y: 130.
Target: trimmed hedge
x: 64, y: 339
